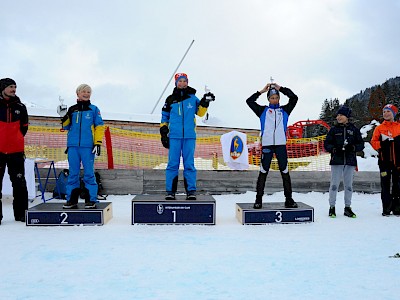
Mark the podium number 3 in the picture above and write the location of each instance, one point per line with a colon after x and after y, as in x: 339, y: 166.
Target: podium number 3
x: 65, y: 217
x: 279, y: 217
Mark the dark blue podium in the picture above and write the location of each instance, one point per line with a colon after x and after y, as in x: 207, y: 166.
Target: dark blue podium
x: 155, y: 210
x: 53, y: 214
x: 274, y: 213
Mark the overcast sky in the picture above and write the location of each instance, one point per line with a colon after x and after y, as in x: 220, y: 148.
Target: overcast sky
x: 127, y: 50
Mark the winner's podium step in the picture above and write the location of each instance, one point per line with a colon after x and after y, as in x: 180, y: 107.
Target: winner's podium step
x: 154, y: 209
x: 53, y: 214
x: 274, y: 212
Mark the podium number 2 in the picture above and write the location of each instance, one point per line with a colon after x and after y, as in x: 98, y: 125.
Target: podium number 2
x: 279, y: 216
x: 174, y: 216
x: 65, y: 217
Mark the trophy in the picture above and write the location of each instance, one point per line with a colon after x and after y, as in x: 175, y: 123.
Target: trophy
x: 208, y: 95
x: 62, y: 108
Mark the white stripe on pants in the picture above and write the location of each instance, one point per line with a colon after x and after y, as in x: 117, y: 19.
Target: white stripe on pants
x: 337, y: 172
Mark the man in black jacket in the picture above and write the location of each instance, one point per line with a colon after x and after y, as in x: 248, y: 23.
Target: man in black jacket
x: 13, y: 127
x: 343, y: 141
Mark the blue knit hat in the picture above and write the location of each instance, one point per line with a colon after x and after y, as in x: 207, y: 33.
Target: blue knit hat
x: 272, y: 92
x: 345, y: 111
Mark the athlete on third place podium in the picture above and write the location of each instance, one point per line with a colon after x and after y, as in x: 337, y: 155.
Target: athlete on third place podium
x: 274, y: 119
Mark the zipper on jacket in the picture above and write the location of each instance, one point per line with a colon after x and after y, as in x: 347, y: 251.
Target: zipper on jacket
x: 8, y: 114
x: 274, y: 127
x: 183, y: 121
x: 80, y: 128
x: 344, y: 139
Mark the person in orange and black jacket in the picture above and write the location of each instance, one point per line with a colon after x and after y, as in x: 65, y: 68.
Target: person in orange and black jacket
x: 13, y: 128
x: 386, y: 140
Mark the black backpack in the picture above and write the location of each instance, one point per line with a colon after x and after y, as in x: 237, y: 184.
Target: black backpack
x: 84, y: 190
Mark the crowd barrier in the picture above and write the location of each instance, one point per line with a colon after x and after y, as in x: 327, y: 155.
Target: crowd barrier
x: 126, y: 149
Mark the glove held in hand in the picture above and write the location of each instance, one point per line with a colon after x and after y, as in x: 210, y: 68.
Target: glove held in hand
x: 96, y: 150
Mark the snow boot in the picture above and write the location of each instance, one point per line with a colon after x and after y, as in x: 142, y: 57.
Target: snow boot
x: 90, y: 204
x: 332, y: 212
x: 73, y: 199
x: 170, y: 196
x: 396, y: 210
x: 349, y: 213
x: 191, y: 195
x: 258, y: 203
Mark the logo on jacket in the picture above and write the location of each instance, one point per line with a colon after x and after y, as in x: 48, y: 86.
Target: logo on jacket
x: 189, y: 106
x: 236, y: 147
x: 17, y: 112
x: 88, y: 117
x: 160, y: 209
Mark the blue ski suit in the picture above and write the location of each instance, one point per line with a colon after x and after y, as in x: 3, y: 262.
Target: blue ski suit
x: 178, y: 114
x: 85, y: 129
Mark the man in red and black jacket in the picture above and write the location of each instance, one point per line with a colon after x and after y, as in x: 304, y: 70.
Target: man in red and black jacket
x: 13, y: 127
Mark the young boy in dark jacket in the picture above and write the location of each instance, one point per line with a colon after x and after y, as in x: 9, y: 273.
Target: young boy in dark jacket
x: 343, y: 141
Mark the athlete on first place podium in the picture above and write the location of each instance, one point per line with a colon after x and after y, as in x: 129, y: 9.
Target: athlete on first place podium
x: 178, y: 134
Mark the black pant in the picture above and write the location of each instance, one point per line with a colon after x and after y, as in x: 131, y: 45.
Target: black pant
x: 390, y: 200
x: 266, y: 158
x: 16, y: 169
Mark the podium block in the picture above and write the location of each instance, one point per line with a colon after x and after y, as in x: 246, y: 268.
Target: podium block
x: 53, y: 214
x: 274, y: 213
x: 154, y: 209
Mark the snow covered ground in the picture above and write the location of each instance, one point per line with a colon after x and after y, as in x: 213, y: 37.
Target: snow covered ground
x: 338, y: 258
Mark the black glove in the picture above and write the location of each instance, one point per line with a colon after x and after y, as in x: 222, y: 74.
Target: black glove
x: 164, y: 136
x: 207, y: 98
x: 96, y: 150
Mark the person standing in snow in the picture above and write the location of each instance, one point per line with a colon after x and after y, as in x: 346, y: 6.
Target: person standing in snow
x: 178, y: 134
x: 386, y: 140
x: 85, y: 137
x: 343, y: 141
x: 13, y: 128
x: 273, y: 118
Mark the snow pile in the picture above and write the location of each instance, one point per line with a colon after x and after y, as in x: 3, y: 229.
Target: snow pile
x: 338, y: 258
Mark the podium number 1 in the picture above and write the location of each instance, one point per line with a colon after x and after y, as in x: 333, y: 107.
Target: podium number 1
x: 279, y: 217
x: 64, y: 215
x: 174, y: 216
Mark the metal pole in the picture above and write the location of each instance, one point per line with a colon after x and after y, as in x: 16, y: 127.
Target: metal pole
x: 172, y: 76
